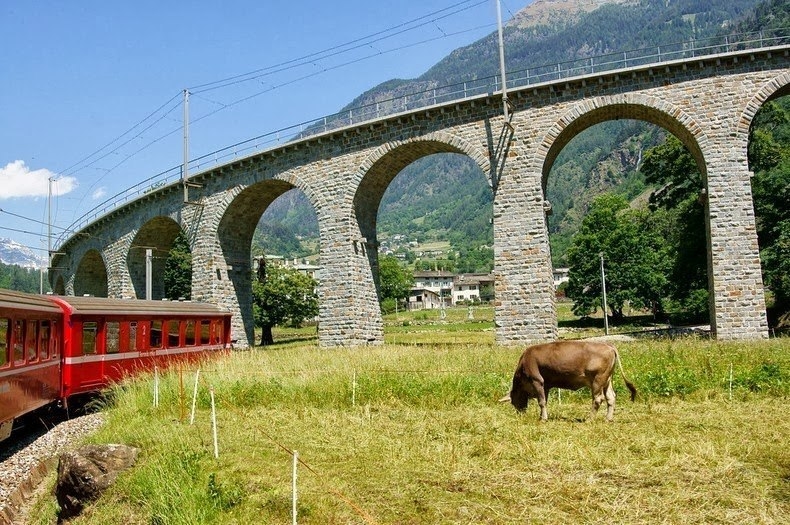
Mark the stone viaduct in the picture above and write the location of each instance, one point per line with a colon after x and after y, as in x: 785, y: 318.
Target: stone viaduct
x: 708, y: 103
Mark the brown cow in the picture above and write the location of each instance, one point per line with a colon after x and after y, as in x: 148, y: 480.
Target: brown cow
x: 566, y: 364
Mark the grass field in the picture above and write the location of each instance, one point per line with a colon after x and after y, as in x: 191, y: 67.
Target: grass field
x: 411, y: 433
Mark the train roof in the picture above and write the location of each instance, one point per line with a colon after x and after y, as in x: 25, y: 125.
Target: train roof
x: 88, y: 305
x: 10, y: 299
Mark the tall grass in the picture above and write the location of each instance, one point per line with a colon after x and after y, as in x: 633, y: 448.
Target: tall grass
x: 414, y: 434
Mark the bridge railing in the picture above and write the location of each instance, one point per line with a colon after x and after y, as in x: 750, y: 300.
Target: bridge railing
x: 431, y: 94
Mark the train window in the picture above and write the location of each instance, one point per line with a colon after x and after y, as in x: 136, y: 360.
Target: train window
x: 89, y: 330
x: 31, y: 341
x: 54, y: 342
x: 19, y: 341
x: 156, y: 334
x: 189, y: 333
x: 133, y: 336
x: 173, y: 333
x: 4, y: 357
x: 205, y: 332
x: 218, y: 337
x: 112, y: 331
x: 43, y: 340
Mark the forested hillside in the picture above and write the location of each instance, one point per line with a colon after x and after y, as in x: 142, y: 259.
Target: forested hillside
x: 13, y: 277
x: 445, y: 198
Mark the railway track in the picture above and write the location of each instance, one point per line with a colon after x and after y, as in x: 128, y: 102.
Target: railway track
x: 30, y: 454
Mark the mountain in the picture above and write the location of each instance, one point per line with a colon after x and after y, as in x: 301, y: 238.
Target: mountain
x: 445, y: 199
x: 11, y: 252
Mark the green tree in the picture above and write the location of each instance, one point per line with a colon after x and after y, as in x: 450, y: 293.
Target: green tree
x: 395, y: 281
x: 178, y: 269
x: 769, y: 158
x: 634, y: 255
x: 671, y: 168
x: 284, y: 297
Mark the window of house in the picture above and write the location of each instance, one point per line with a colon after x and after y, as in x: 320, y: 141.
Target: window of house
x: 89, y: 331
x: 156, y: 334
x: 4, y: 357
x: 112, y: 331
x: 173, y: 333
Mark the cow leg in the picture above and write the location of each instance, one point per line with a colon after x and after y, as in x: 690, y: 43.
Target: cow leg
x: 598, y: 396
x: 537, y: 384
x: 610, y: 401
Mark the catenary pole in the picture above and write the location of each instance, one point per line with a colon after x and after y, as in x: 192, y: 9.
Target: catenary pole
x: 603, y: 290
x: 505, y: 108
x: 185, y: 169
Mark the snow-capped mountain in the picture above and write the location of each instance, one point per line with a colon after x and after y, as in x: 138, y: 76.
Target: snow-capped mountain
x: 11, y: 252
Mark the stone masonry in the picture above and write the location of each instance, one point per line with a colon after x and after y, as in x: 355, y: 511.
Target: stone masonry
x: 707, y: 103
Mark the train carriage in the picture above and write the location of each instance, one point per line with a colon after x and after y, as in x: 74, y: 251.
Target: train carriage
x: 30, y: 365
x: 107, y: 339
x: 55, y: 347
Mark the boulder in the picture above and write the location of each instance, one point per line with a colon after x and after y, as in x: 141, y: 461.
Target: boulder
x: 84, y: 474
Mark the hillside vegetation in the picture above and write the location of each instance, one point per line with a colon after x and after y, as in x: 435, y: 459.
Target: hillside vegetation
x: 446, y: 197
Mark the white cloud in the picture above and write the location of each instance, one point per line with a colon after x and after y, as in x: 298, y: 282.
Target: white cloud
x: 99, y: 193
x: 17, y: 180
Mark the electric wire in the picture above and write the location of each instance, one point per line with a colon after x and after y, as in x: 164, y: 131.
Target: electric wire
x: 337, y: 66
x: 367, y: 41
x: 68, y: 170
x: 332, y: 51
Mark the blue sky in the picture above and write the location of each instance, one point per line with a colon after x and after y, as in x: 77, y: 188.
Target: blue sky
x: 77, y: 75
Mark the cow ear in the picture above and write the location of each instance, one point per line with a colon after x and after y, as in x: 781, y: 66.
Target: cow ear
x: 505, y: 399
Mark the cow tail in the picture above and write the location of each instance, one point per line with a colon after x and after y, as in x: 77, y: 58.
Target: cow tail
x: 628, y: 383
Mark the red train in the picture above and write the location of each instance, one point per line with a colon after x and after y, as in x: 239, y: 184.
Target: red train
x: 54, y: 347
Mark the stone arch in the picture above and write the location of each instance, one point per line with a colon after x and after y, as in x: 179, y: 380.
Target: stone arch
x: 632, y: 106
x: 235, y: 232
x: 638, y: 107
x: 59, y: 288
x: 375, y: 175
x: 157, y: 235
x: 379, y: 169
x: 91, y: 275
x: 778, y: 87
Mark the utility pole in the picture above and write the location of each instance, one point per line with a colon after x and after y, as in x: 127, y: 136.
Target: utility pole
x: 49, y: 235
x: 148, y: 273
x: 505, y: 102
x: 603, y: 289
x: 185, y: 169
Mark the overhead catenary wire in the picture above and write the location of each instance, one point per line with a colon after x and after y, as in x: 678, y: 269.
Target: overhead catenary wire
x: 338, y: 49
x: 139, y: 129
x: 324, y: 70
x: 283, y: 66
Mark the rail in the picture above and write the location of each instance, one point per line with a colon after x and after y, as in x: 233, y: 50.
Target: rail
x: 434, y: 95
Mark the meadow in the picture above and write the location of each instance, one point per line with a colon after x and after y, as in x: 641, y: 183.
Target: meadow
x: 411, y: 432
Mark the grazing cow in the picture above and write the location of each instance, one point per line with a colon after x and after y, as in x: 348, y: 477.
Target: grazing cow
x: 566, y: 364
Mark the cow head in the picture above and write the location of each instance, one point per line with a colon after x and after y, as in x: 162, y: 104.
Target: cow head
x: 517, y: 397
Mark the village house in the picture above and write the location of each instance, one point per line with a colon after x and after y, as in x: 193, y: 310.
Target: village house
x: 433, y: 288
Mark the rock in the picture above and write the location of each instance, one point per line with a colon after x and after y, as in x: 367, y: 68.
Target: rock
x: 84, y: 474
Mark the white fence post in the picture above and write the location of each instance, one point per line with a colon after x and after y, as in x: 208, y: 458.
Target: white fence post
x: 293, y: 488
x: 194, y: 398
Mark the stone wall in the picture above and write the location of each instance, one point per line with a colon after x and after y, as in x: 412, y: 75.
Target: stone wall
x: 707, y: 103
